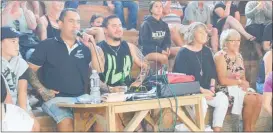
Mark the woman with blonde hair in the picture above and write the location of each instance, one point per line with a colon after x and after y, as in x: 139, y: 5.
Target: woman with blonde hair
x: 196, y: 59
x: 232, y: 81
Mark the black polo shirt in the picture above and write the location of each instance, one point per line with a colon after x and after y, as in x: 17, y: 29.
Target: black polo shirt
x: 61, y: 71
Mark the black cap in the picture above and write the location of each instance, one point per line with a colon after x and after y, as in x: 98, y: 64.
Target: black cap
x: 9, y: 32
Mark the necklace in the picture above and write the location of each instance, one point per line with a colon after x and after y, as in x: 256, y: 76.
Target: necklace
x: 200, y: 64
x: 115, y: 51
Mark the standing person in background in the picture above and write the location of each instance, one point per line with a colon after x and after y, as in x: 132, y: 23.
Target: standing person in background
x: 196, y: 59
x: 259, y: 14
x: 199, y: 11
x: 48, y: 23
x: 95, y: 28
x: 232, y: 80
x: 117, y: 7
x: 154, y: 35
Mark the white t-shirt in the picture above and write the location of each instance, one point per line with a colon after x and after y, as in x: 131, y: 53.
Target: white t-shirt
x: 16, y: 119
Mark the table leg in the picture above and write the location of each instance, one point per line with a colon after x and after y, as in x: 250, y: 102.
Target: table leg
x: 79, y: 125
x: 110, y: 118
x: 199, y: 115
x: 182, y: 116
x: 138, y: 117
x: 149, y: 119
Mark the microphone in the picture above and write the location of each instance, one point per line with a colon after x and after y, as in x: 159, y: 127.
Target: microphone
x: 78, y: 33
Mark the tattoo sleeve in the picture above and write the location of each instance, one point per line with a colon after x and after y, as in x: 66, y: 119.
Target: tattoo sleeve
x: 144, y: 65
x: 34, y: 81
x: 46, y: 94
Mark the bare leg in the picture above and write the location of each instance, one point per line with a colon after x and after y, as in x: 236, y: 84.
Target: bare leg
x: 214, y: 40
x: 66, y: 125
x: 161, y: 58
x: 174, y: 51
x: 231, y: 22
x: 256, y: 111
x: 249, y: 105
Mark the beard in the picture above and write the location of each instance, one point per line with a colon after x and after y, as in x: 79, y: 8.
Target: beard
x: 117, y: 38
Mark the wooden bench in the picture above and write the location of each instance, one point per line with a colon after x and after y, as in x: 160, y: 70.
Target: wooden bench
x: 47, y: 123
x: 86, y: 12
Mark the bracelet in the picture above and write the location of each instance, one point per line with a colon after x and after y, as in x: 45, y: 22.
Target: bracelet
x: 212, y: 86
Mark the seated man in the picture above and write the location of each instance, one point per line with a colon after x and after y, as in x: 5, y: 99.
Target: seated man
x: 14, y: 118
x: 14, y: 70
x: 115, y: 60
x: 63, y: 64
x: 117, y: 7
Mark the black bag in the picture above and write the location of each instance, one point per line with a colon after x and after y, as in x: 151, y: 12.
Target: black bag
x: 27, y: 41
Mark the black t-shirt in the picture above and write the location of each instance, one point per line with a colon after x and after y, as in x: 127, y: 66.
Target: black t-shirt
x: 61, y: 71
x: 215, y: 17
x: 118, y: 64
x: 189, y: 62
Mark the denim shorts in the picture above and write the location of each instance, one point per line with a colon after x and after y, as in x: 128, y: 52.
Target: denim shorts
x: 58, y: 113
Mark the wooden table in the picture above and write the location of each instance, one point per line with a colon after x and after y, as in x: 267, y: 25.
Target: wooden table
x: 83, y: 119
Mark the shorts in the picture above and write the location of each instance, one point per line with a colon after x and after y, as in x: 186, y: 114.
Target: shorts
x: 56, y: 112
x: 220, y: 24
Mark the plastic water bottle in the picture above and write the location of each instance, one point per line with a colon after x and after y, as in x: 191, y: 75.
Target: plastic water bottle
x: 95, y: 87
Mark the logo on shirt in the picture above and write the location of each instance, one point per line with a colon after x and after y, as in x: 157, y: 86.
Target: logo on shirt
x: 79, y: 54
x: 158, y: 34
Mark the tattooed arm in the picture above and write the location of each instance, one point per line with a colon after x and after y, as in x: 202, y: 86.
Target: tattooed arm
x: 139, y: 59
x: 46, y: 94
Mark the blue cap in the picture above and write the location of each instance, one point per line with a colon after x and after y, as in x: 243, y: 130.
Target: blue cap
x: 9, y: 32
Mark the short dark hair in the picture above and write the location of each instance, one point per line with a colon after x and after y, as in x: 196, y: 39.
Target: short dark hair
x: 64, y: 12
x: 95, y: 16
x: 106, y: 20
x: 3, y: 90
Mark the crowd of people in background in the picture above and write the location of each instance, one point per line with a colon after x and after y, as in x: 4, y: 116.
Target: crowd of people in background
x: 45, y: 53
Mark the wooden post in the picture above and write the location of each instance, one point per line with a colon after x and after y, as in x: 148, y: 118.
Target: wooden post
x: 111, y: 119
x: 199, y: 115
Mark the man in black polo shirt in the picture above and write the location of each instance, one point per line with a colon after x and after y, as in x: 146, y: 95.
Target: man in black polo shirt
x: 64, y: 63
